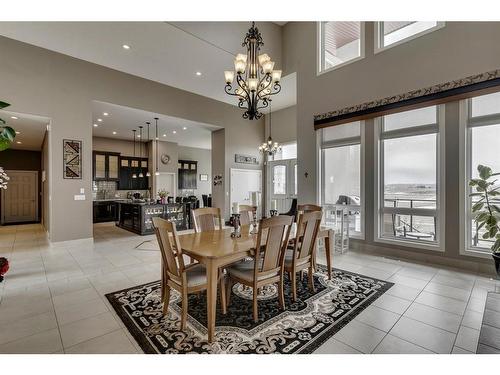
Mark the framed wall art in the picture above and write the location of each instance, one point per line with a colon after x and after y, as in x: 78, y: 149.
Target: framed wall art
x: 72, y: 159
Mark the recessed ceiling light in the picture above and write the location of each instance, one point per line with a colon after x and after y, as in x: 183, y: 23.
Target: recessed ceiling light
x: 114, y: 132
x: 19, y: 142
x: 174, y: 132
x: 198, y: 74
x: 105, y: 113
x: 126, y: 46
x: 164, y: 135
x: 18, y: 132
x: 99, y: 119
x: 95, y: 125
x: 184, y: 128
x: 14, y: 117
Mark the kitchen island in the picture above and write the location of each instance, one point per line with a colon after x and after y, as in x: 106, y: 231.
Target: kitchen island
x: 137, y: 216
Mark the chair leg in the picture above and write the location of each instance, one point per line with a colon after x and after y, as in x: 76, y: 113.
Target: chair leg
x: 166, y: 298
x: 255, y: 305
x: 281, y: 294
x: 223, y: 295
x: 184, y: 310
x: 229, y: 288
x: 294, y: 286
x: 311, y: 278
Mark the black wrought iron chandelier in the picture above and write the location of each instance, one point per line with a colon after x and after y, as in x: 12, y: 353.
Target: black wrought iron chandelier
x: 256, y: 78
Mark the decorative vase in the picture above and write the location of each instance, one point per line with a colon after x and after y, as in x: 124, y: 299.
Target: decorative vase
x: 496, y: 258
x: 163, y: 200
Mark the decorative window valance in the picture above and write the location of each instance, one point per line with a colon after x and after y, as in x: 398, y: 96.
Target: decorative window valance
x: 475, y: 85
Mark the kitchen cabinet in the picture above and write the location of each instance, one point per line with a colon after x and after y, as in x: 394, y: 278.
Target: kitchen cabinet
x: 104, y: 211
x: 129, y: 166
x: 188, y: 172
x: 105, y: 166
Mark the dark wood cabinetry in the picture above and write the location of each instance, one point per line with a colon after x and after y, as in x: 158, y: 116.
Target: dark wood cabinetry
x: 129, y: 166
x: 105, y: 211
x: 105, y: 166
x: 188, y: 171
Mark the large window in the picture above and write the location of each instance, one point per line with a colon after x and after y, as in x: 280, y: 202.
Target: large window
x: 339, y: 43
x: 408, y: 178
x: 341, y: 174
x: 397, y: 32
x: 482, y: 145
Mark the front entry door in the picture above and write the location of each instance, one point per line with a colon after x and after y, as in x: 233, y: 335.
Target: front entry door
x: 281, y: 184
x: 20, y: 199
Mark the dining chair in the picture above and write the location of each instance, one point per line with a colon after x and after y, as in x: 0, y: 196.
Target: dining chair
x: 246, y: 214
x: 302, y: 254
x: 175, y: 275
x: 266, y: 264
x: 308, y: 208
x: 205, y: 219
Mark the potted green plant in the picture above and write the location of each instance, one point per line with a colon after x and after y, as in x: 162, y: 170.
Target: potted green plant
x: 7, y: 134
x: 486, y: 210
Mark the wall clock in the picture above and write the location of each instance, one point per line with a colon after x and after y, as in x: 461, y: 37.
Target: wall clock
x: 165, y: 159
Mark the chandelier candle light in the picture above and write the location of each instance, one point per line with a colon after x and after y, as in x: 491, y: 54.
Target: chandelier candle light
x: 255, y: 76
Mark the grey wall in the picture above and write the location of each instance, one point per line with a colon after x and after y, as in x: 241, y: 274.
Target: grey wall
x: 458, y: 50
x: 45, y: 184
x: 218, y: 160
x: 62, y: 88
x: 283, y: 125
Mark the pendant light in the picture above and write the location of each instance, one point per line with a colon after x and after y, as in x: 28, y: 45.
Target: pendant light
x: 134, y: 175
x: 141, y: 175
x: 147, y: 149
x: 157, y: 173
x: 270, y: 148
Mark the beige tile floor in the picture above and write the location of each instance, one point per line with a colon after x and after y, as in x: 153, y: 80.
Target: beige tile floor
x: 52, y: 300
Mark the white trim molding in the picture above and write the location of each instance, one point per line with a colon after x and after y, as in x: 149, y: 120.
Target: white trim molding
x: 379, y: 207
x: 378, y: 35
x: 320, y: 50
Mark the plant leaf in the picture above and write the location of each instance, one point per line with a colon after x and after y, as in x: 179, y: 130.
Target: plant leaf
x: 3, y: 105
x: 477, y: 206
x: 4, y: 144
x: 8, y: 133
x: 484, y: 171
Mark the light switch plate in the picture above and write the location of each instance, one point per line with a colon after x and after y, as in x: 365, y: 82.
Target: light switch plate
x: 82, y: 190
x: 79, y: 197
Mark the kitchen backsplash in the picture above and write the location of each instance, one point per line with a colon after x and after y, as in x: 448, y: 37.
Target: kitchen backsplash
x: 107, y: 190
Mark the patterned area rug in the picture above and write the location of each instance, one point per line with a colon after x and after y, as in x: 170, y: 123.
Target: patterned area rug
x: 301, y: 328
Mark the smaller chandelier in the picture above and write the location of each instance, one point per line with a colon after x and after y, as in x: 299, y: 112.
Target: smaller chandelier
x: 270, y: 148
x: 255, y: 76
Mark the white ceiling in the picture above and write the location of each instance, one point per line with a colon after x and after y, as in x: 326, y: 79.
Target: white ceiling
x: 169, y: 53
x: 31, y: 130
x: 123, y: 120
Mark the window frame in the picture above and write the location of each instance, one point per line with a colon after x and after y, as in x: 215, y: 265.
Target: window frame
x: 379, y: 34
x: 466, y: 124
x: 348, y: 141
x: 379, y: 207
x: 320, y: 50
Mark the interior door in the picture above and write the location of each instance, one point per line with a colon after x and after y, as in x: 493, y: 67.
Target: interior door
x: 281, y: 184
x: 20, y: 199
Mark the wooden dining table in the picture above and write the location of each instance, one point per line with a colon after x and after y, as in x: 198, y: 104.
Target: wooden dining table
x: 216, y: 249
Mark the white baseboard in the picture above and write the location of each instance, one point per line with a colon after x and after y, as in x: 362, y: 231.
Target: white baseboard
x: 71, y: 243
